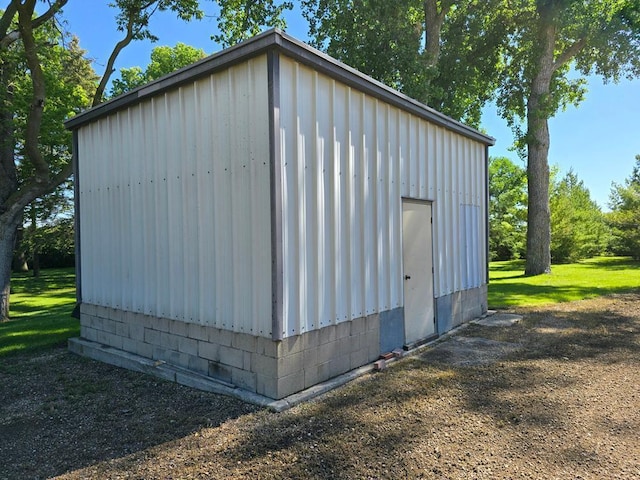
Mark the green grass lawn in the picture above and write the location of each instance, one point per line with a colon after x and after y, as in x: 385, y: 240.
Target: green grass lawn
x: 586, y: 279
x: 40, y: 312
x: 41, y: 307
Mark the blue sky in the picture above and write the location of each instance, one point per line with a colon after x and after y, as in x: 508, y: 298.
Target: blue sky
x: 599, y: 139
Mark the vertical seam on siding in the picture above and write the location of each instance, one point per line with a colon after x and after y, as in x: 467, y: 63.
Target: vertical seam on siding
x: 76, y: 206
x: 486, y: 212
x: 275, y: 167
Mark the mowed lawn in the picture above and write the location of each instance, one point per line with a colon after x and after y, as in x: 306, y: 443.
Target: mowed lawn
x: 509, y: 287
x: 41, y: 307
x: 40, y: 312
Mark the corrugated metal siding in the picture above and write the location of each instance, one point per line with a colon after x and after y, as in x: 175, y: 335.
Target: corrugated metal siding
x: 175, y: 196
x: 347, y: 160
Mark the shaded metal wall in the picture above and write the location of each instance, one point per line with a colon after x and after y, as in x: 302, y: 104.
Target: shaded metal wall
x: 346, y: 160
x: 175, y: 194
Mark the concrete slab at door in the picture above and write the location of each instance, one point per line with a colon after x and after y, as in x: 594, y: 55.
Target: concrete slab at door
x: 417, y: 263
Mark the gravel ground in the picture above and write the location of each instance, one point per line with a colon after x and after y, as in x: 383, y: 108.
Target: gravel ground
x: 555, y: 396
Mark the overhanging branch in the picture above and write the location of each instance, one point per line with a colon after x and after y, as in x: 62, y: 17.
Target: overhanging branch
x: 13, y: 206
x: 53, y: 9
x: 7, y: 17
x: 5, y: 22
x: 34, y: 118
x: 569, y: 53
x: 108, y: 71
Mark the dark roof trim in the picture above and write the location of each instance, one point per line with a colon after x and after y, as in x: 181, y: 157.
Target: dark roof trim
x: 206, y: 66
x: 289, y: 46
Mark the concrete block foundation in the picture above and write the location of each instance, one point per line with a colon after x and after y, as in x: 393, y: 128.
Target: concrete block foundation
x: 270, y: 369
x: 460, y: 307
x: 274, y: 369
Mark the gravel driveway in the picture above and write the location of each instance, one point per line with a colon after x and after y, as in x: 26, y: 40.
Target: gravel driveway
x: 555, y: 396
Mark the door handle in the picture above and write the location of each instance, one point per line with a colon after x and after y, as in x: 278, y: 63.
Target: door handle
x: 407, y: 277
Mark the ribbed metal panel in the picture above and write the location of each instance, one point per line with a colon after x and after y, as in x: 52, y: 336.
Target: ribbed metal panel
x: 175, y: 195
x: 346, y: 161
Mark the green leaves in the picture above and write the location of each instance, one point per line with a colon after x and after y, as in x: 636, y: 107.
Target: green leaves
x: 601, y: 37
x: 380, y: 38
x: 441, y: 53
x: 242, y: 19
x: 550, y: 41
x: 624, y: 217
x: 507, y: 209
x: 578, y: 229
x: 164, y: 60
x: 134, y: 15
x: 70, y: 82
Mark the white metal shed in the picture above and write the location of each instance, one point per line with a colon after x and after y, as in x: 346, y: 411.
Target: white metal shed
x: 272, y: 218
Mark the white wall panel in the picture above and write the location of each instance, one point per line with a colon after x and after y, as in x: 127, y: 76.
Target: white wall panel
x: 175, y: 194
x: 347, y: 160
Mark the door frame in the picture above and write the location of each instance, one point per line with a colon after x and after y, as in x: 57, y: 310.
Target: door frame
x: 432, y: 329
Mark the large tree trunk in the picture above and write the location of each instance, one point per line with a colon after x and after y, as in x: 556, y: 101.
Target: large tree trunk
x: 434, y: 14
x: 8, y: 184
x: 7, y: 239
x: 35, y: 247
x: 19, y: 255
x: 538, y: 216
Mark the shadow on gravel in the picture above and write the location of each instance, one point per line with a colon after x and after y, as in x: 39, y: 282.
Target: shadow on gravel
x: 376, y: 427
x: 423, y: 418
x: 358, y: 431
x: 553, y: 334
x: 60, y: 413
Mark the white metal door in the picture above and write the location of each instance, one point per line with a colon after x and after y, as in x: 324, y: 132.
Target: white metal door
x: 417, y: 263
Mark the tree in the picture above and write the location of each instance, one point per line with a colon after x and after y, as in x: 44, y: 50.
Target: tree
x: 624, y: 217
x: 70, y: 84
x: 507, y: 209
x: 31, y: 167
x: 42, y: 213
x: 23, y: 53
x: 441, y: 52
x: 241, y: 19
x: 55, y: 243
x: 164, y: 60
x: 379, y: 38
x: 548, y: 38
x: 578, y: 229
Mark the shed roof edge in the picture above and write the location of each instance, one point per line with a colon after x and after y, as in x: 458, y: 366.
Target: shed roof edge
x: 295, y: 49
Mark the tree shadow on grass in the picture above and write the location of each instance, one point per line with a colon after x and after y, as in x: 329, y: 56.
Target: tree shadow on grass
x: 49, y: 279
x: 34, y: 330
x: 507, y: 266
x: 516, y: 293
x: 612, y: 263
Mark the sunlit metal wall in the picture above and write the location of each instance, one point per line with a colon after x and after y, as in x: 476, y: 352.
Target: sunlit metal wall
x: 175, y: 203
x: 347, y: 159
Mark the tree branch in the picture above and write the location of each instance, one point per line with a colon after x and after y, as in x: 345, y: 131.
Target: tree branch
x: 14, y: 205
x: 5, y: 22
x: 7, y: 17
x: 569, y: 53
x: 53, y: 9
x: 9, y: 38
x: 434, y: 16
x: 34, y: 118
x: 247, y: 13
x: 8, y: 173
x: 108, y: 71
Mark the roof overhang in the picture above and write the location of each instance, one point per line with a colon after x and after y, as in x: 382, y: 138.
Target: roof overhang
x: 281, y: 42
